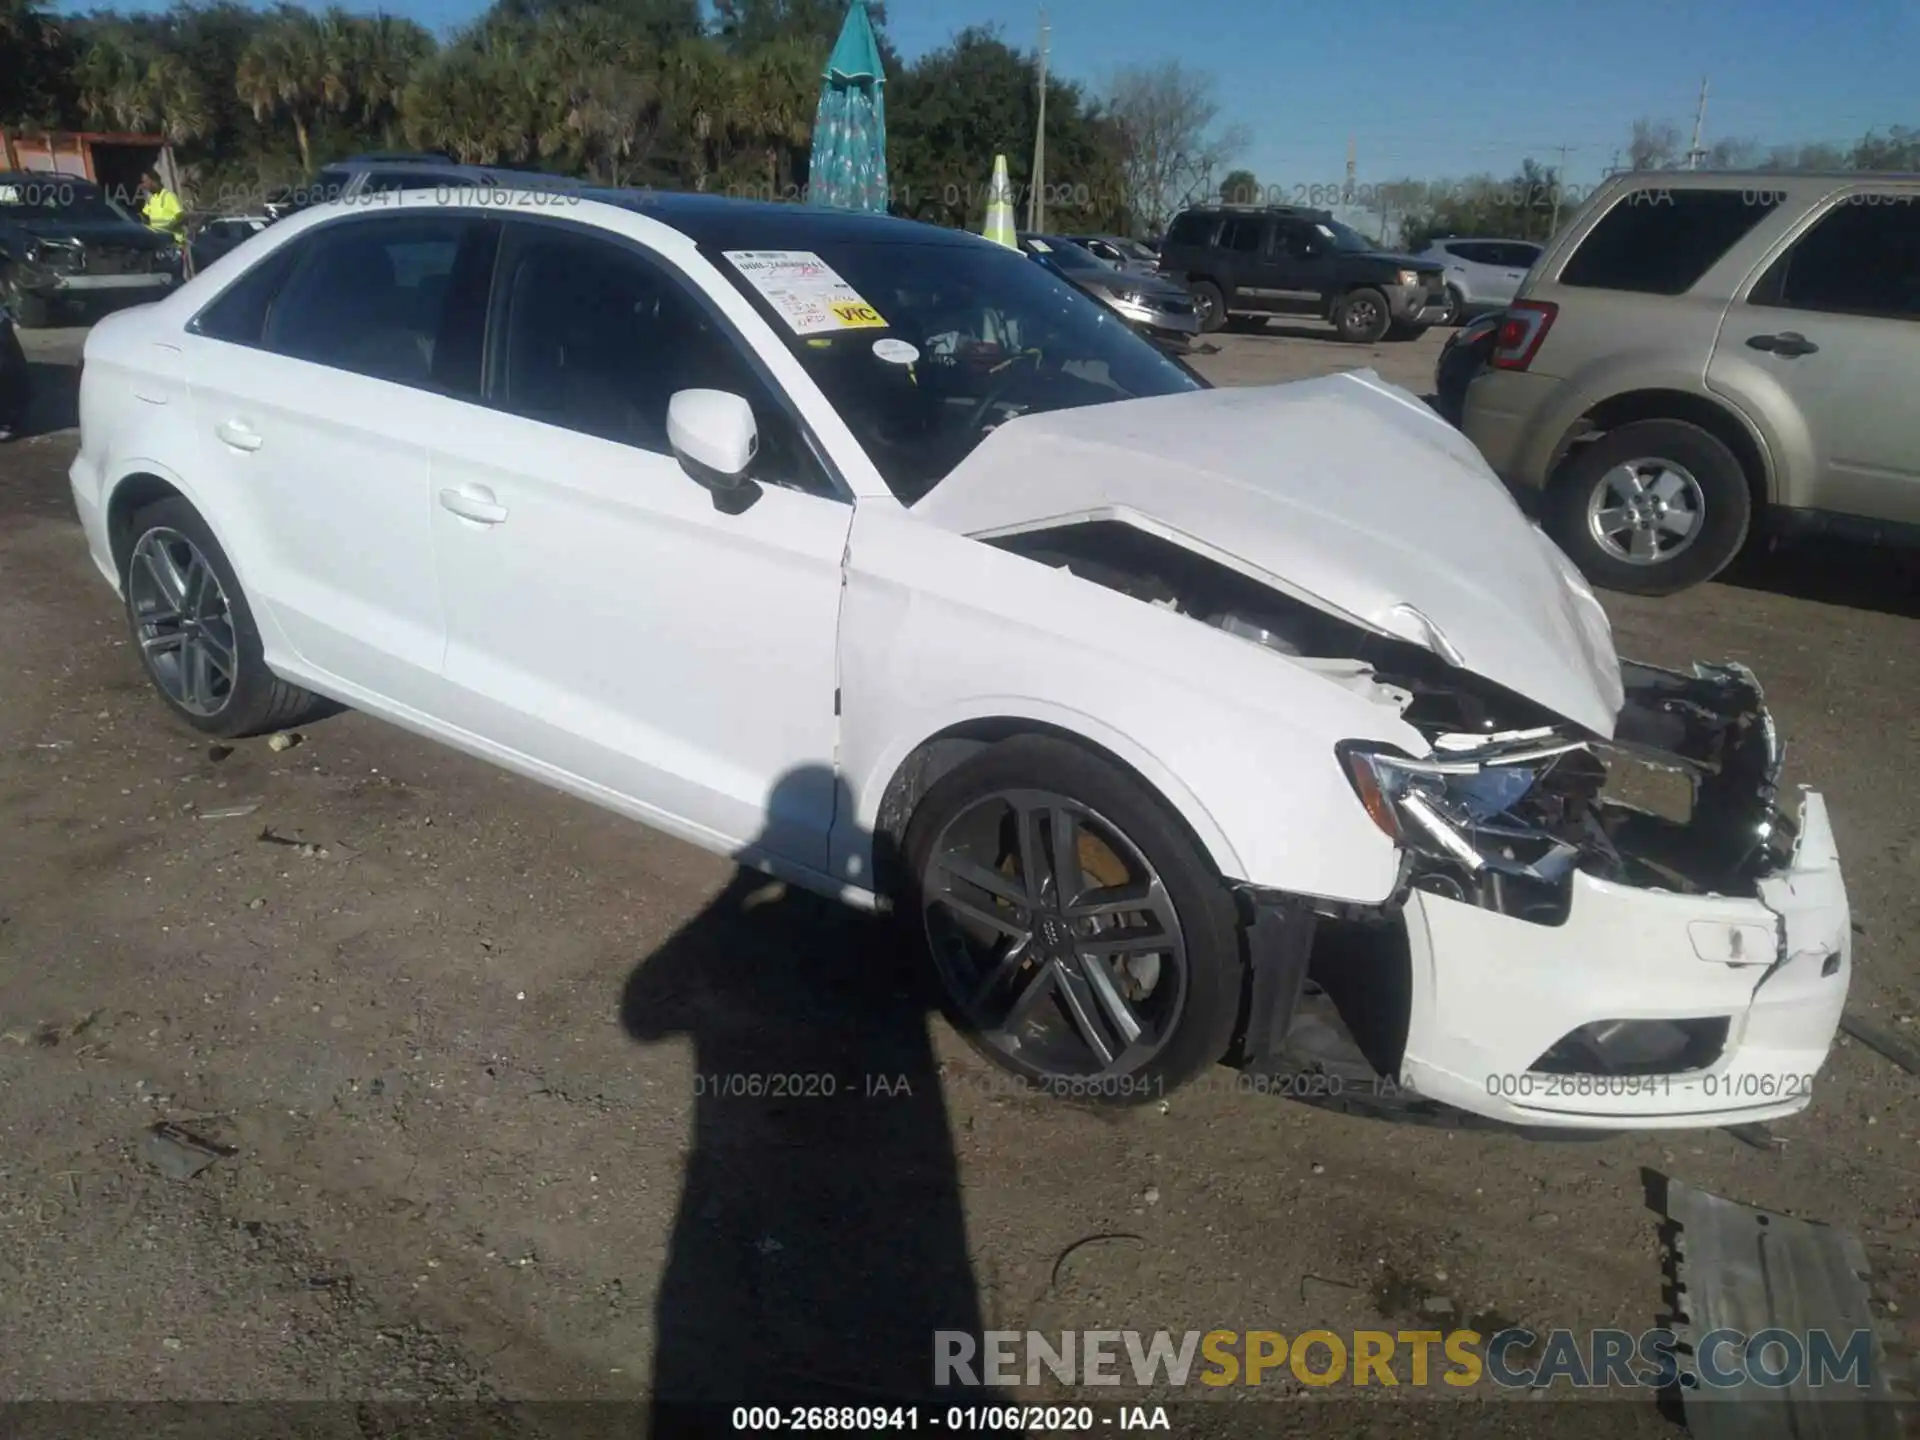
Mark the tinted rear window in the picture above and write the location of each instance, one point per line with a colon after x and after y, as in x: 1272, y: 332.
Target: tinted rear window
x: 1190, y: 229
x: 1660, y: 242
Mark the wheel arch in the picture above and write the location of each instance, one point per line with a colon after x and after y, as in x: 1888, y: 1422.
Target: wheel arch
x: 140, y: 487
x: 897, y: 784
x: 1632, y: 406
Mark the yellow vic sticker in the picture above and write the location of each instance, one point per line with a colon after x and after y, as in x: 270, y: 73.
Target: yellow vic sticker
x: 854, y: 315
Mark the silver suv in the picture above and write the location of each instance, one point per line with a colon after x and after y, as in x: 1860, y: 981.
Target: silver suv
x: 1697, y: 356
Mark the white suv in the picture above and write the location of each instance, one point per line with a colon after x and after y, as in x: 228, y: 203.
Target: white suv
x: 878, y: 557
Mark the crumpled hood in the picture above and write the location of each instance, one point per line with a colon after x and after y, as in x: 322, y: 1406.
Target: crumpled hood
x: 1344, y: 492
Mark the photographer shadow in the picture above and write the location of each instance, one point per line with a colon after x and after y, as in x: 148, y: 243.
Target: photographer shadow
x: 819, y: 1242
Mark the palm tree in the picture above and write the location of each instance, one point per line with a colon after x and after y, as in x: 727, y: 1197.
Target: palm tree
x: 703, y: 93
x: 295, y: 66
x: 383, y: 52
x: 782, y: 94
x: 131, y: 84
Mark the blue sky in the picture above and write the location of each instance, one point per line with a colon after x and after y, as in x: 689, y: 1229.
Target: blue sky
x: 1434, y: 91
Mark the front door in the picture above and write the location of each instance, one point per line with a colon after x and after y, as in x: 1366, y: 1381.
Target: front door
x: 321, y: 381
x: 1830, y: 333
x: 604, y: 619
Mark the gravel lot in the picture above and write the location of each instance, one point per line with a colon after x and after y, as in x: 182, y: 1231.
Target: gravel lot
x: 451, y: 1025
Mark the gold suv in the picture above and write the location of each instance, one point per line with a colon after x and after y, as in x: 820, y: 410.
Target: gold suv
x: 1698, y: 357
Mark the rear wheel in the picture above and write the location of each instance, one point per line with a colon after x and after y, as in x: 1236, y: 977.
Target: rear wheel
x: 195, y: 632
x: 1651, y: 508
x: 1079, y: 936
x: 1361, y: 316
x: 1211, y: 304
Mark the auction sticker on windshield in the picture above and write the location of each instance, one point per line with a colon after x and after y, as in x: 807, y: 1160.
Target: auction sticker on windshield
x: 805, y: 290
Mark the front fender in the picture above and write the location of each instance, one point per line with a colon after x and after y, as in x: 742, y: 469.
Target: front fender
x: 939, y: 630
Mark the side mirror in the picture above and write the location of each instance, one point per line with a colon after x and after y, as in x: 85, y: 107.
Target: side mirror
x: 714, y: 437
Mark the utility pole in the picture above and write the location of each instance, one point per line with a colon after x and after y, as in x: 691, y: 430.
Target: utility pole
x: 1036, y: 203
x: 1559, y: 184
x: 1346, y: 197
x: 1695, y: 154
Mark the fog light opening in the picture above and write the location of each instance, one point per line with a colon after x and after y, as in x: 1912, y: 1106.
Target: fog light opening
x: 1637, y: 1047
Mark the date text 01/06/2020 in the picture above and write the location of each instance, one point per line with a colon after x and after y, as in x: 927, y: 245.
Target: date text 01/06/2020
x: 902, y: 1419
x: 828, y: 1085
x: 1742, y: 1086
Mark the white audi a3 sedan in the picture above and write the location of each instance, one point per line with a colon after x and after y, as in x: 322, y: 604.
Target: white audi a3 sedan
x: 1161, y: 716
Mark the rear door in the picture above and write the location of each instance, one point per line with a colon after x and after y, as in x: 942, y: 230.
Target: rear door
x: 1303, y: 267
x: 1824, y: 347
x: 321, y: 380
x: 1508, y: 262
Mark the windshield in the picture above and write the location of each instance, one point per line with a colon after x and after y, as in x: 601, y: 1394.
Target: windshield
x: 1344, y: 237
x: 925, y: 348
x: 1134, y: 250
x: 55, y: 198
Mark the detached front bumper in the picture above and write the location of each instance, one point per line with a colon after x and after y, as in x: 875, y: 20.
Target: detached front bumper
x: 1640, y: 1005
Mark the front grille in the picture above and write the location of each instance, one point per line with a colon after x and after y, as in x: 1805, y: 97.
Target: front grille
x: 119, y: 260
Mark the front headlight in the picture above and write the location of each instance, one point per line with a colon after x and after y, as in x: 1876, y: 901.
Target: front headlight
x: 1409, y: 278
x: 1459, y: 810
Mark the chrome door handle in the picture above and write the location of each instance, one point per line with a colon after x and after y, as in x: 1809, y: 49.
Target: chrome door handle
x: 239, y: 434
x: 475, y: 503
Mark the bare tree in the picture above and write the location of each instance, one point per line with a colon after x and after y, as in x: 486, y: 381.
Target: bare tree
x: 1655, y: 145
x: 1171, y: 143
x: 1734, y: 153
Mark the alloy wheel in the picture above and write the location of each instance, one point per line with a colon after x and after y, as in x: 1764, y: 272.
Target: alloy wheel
x: 1645, y: 512
x: 183, y: 622
x: 1054, y: 935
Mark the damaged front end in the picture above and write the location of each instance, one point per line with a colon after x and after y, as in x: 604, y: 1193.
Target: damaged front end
x: 1502, y: 820
x: 1581, y: 958
x: 1589, y: 930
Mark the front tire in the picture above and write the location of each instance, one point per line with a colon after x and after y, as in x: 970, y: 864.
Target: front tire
x: 1079, y: 937
x: 1362, y: 317
x: 1212, y: 305
x: 194, y: 631
x: 1456, y: 310
x: 1652, y: 508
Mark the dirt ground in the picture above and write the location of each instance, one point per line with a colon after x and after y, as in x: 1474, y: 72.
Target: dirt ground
x: 453, y: 1028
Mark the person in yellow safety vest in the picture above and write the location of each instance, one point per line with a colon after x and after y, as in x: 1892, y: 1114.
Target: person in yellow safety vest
x: 163, y: 210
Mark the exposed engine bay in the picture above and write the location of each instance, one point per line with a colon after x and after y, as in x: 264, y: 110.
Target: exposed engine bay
x: 1512, y: 800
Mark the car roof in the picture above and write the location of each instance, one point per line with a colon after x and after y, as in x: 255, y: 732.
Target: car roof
x: 1484, y: 240
x: 720, y: 222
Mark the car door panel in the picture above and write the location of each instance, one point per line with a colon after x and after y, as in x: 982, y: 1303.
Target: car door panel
x: 604, y: 618
x: 323, y: 469
x: 324, y: 477
x: 1835, y: 381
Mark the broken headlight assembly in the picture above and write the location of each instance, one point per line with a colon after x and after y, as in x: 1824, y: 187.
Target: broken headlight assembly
x: 1503, y: 830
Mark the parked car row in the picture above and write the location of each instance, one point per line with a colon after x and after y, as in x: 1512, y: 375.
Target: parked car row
x: 891, y: 564
x: 1159, y: 309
